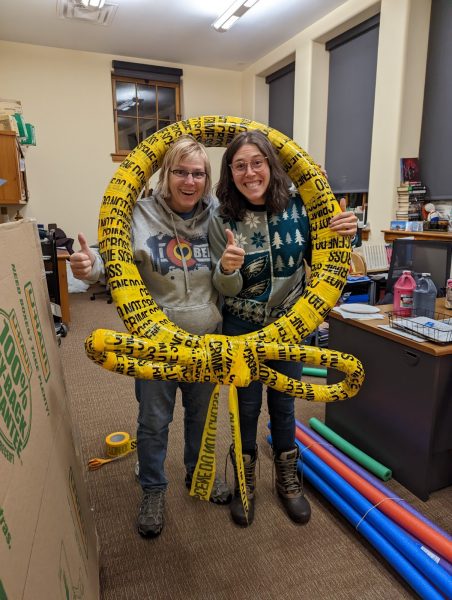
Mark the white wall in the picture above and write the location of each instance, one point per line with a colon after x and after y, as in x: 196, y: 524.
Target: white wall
x: 67, y: 95
x: 399, y: 93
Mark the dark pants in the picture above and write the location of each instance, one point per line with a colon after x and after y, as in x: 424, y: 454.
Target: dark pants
x: 280, y: 405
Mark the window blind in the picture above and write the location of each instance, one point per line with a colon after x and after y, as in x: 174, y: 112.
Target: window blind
x: 436, y: 134
x: 143, y: 71
x: 281, y: 99
x: 351, y: 91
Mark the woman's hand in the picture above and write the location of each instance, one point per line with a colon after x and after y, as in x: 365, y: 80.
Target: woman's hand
x: 82, y: 261
x: 233, y: 256
x: 344, y: 223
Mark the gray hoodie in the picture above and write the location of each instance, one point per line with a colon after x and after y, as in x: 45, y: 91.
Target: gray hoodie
x: 173, y: 258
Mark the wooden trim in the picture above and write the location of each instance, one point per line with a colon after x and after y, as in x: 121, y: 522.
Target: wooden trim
x: 443, y: 236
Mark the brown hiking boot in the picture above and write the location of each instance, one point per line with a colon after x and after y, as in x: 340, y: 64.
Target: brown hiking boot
x: 288, y: 486
x: 237, y: 511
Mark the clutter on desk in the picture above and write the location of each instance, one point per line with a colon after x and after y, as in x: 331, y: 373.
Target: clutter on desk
x: 436, y: 327
x: 448, y: 301
x: 362, y: 312
x: 61, y: 239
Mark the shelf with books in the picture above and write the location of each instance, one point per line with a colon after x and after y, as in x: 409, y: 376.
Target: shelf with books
x: 411, y: 193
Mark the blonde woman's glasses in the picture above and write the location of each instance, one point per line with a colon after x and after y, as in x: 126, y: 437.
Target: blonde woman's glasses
x: 255, y: 165
x: 183, y: 174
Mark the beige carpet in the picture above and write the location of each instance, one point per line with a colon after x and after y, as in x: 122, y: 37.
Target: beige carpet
x: 201, y: 554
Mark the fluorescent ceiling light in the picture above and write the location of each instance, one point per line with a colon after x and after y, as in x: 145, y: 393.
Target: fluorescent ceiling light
x: 233, y: 14
x: 92, y: 3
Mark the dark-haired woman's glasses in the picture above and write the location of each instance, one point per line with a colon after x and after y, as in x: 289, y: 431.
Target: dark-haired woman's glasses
x: 183, y: 174
x: 241, y: 166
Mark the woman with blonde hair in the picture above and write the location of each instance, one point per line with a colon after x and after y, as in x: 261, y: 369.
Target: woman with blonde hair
x: 171, y: 251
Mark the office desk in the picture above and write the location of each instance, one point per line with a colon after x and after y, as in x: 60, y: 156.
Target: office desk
x: 62, y: 256
x: 402, y: 415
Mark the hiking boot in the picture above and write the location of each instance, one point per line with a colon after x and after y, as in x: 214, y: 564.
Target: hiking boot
x: 289, y: 488
x: 220, y: 494
x: 237, y: 511
x: 150, y: 518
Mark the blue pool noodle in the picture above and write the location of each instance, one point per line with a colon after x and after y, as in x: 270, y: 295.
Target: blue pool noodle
x: 399, y: 562
x: 374, y: 481
x: 391, y: 531
x: 393, y: 555
x: 382, y: 488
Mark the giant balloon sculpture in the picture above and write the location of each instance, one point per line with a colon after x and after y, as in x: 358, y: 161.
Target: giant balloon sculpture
x: 156, y: 348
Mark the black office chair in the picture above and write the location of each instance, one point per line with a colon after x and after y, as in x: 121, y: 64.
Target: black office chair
x: 105, y: 292
x: 419, y: 256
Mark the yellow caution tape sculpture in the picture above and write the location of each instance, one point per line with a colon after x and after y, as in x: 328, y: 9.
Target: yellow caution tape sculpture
x: 156, y: 348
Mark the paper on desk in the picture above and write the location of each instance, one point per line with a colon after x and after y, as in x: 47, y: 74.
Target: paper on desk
x: 404, y: 334
x: 358, y: 316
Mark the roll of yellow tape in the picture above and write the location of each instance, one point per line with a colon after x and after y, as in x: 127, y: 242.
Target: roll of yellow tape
x: 118, y: 443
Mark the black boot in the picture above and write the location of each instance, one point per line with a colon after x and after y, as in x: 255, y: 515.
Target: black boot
x: 288, y: 486
x: 237, y: 511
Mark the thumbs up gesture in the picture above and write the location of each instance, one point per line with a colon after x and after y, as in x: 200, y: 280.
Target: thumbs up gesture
x: 344, y: 223
x: 233, y: 256
x: 83, y: 260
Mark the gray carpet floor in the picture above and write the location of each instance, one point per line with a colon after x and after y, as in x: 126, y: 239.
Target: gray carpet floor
x: 201, y: 554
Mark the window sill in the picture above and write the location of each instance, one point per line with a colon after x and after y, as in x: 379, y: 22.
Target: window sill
x: 118, y: 157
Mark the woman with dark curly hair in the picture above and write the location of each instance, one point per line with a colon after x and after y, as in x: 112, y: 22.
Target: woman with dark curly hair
x: 259, y: 236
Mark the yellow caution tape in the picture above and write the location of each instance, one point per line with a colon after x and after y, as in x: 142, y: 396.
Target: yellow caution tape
x: 118, y: 444
x: 156, y: 348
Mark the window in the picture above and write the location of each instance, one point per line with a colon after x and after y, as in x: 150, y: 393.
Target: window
x: 145, y: 99
x: 351, y: 90
x: 436, y: 136
x: 281, y: 99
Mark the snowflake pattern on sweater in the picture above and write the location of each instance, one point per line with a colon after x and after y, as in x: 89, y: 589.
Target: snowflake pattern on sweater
x: 273, y: 271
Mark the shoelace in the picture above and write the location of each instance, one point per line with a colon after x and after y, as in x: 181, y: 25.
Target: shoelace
x: 290, y: 481
x: 153, y: 502
x: 248, y: 469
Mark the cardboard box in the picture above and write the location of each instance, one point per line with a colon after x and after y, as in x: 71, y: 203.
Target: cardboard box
x: 48, y: 541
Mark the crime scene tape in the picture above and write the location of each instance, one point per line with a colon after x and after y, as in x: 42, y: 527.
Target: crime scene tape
x: 156, y: 348
x: 118, y: 444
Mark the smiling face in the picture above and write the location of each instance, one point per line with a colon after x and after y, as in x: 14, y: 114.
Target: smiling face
x: 252, y: 183
x: 185, y: 192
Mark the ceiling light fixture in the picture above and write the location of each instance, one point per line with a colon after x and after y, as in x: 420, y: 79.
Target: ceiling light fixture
x: 233, y: 14
x: 98, y: 4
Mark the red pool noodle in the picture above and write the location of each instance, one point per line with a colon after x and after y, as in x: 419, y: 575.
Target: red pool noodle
x: 392, y: 509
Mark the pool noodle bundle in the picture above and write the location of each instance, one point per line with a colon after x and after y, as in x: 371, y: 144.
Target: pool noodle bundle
x: 403, y: 551
x: 376, y: 483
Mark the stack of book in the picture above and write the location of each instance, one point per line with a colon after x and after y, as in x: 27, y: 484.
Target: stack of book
x: 411, y: 193
x: 410, y: 200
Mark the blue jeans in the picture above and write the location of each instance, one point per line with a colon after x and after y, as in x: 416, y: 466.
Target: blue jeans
x: 157, y: 400
x: 280, y: 406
